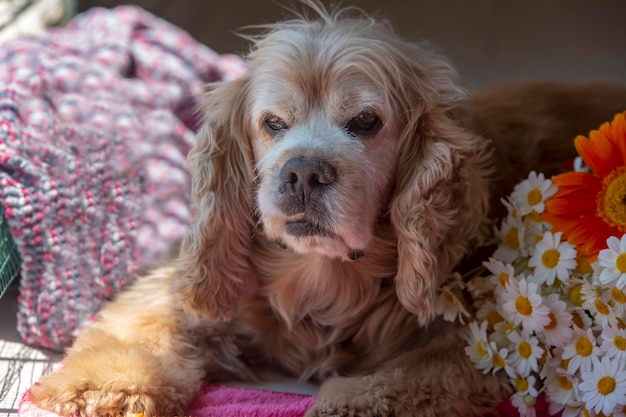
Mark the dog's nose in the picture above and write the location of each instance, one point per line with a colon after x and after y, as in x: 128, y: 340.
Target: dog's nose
x: 303, y: 179
x: 307, y: 172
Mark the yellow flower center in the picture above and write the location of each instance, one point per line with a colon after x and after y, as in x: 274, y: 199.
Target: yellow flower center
x: 503, y: 278
x: 583, y: 266
x: 566, y: 363
x: 524, y: 349
x: 481, y: 350
x: 534, y: 197
x: 606, y: 385
x: 550, y: 258
x: 552, y: 323
x: 534, y: 216
x: 511, y: 239
x: 619, y: 342
x: 601, y: 307
x: 618, y: 296
x: 620, y: 262
x: 583, y: 346
x: 498, y: 361
x: 523, y: 306
x: 612, y: 199
x: 575, y: 294
x: 493, y: 318
x: 565, y: 383
x: 449, y: 297
x: 620, y: 324
x: 521, y: 384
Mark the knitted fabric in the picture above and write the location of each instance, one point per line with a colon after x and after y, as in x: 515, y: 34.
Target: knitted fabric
x: 228, y: 401
x: 95, y: 122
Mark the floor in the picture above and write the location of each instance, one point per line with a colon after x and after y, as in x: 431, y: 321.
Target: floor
x: 489, y: 41
x: 20, y: 365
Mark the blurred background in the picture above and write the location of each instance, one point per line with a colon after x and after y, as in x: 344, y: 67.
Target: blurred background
x: 488, y: 40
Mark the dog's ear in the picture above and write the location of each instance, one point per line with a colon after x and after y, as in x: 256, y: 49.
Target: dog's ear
x: 440, y: 203
x: 214, y: 272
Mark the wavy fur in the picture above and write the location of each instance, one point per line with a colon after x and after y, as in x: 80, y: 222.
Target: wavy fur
x: 335, y: 186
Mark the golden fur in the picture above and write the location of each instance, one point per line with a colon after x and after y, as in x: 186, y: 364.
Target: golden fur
x: 335, y: 279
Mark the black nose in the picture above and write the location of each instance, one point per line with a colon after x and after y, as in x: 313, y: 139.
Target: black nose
x: 303, y: 180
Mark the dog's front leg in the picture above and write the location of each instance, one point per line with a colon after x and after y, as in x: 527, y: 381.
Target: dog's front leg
x: 437, y: 380
x: 144, y: 355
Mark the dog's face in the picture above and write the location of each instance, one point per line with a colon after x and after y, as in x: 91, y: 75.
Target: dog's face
x: 339, y: 126
x: 325, y: 141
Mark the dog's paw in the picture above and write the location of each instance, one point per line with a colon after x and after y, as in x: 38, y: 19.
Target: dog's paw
x: 354, y: 397
x: 115, y: 398
x: 114, y: 380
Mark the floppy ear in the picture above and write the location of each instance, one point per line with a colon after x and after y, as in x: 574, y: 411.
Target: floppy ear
x: 439, y: 208
x: 214, y: 272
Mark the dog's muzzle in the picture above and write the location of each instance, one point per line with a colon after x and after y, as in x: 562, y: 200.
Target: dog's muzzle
x: 303, y: 184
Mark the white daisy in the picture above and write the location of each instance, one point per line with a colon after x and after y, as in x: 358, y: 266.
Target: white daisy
x: 571, y: 409
x: 532, y: 193
x: 478, y: 286
x: 525, y: 352
x: 477, y: 348
x: 581, y: 351
x: 501, y: 273
x: 618, y: 301
x: 583, y: 265
x: 526, y: 385
x: 558, y: 332
x: 612, y: 262
x: 500, y: 333
x: 488, y: 311
x: 553, y: 365
x: 590, y: 293
x: 500, y: 360
x: 511, y: 208
x: 552, y: 259
x: 533, y: 233
x: 511, y: 235
x: 562, y: 388
x: 604, y: 387
x: 614, y: 343
x: 450, y: 306
x: 525, y: 404
x: 603, y: 313
x: 580, y: 318
x: 523, y: 305
x: 572, y: 290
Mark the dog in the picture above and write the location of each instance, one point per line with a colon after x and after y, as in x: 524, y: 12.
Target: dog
x: 335, y: 187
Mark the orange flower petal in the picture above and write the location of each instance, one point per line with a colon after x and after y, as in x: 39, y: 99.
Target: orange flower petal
x: 618, y: 130
x: 578, y: 179
x: 597, y: 152
x: 573, y: 209
x: 571, y: 206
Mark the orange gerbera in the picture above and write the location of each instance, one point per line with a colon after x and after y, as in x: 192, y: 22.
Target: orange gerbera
x: 591, y: 207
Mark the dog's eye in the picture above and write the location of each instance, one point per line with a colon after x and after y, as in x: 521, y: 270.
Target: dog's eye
x: 275, y: 124
x: 364, y: 124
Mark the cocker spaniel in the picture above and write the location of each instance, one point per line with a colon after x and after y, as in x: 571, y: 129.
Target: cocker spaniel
x: 336, y: 185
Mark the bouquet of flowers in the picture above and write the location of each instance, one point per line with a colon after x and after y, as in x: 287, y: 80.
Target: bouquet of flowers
x: 550, y: 303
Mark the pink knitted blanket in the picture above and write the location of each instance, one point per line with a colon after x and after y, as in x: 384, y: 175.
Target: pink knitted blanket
x: 95, y: 123
x: 227, y: 401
